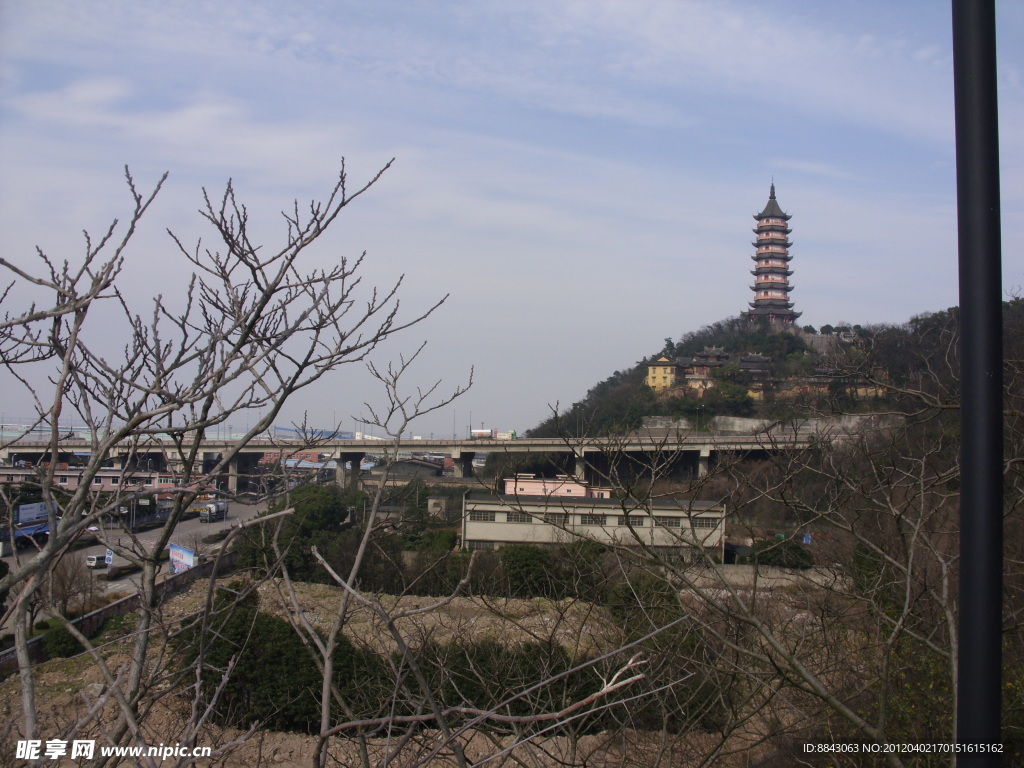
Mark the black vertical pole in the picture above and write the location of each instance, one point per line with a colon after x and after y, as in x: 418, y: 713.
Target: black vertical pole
x: 981, y: 381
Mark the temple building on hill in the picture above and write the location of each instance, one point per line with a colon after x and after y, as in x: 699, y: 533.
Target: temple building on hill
x: 696, y: 372
x: 771, y: 271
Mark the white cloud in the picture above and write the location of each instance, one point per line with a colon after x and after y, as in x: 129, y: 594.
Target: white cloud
x: 579, y: 174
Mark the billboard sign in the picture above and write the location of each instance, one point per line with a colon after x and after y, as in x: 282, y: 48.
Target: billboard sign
x: 181, y: 559
x: 29, y: 513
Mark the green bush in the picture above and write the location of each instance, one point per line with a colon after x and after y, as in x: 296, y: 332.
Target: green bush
x: 441, y: 539
x: 783, y: 553
x: 275, y: 681
x: 642, y: 603
x: 487, y: 672
x: 676, y: 693
x: 320, y: 513
x: 527, y: 570
x: 59, y: 643
x: 437, y: 572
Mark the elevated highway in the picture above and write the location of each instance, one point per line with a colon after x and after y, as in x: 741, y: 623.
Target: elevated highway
x: 690, y: 449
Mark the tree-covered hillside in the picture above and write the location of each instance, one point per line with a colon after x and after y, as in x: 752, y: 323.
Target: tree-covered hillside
x: 738, y: 336
x: 879, y: 359
x: 621, y: 401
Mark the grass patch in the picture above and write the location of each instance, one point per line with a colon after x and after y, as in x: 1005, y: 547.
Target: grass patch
x: 116, y: 627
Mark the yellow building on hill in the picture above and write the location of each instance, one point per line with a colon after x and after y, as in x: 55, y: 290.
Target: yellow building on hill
x: 663, y: 373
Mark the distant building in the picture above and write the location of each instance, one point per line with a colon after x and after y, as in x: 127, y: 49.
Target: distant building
x: 771, y: 271
x: 755, y: 363
x: 696, y: 372
x: 664, y: 373
x: 566, y: 511
x: 105, y: 480
x: 559, y: 486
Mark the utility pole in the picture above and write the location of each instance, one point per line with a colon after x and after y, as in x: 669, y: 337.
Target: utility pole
x: 979, y: 673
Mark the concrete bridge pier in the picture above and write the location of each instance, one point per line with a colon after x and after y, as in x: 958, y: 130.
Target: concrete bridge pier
x: 580, y: 467
x: 464, y: 463
x: 350, y: 478
x: 703, y: 461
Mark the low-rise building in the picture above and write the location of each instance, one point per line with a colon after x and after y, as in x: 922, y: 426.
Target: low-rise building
x: 664, y: 373
x: 560, y: 485
x: 105, y: 480
x: 568, y: 511
x: 698, y: 373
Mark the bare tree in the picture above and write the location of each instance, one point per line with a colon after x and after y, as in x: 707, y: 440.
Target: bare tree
x: 436, y: 700
x: 702, y: 665
x: 863, y: 645
x: 256, y: 325
x: 69, y: 583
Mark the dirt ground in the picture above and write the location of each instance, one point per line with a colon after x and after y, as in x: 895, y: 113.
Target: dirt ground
x: 581, y: 628
x: 67, y: 688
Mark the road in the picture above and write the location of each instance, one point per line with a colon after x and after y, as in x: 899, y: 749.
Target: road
x: 185, y: 535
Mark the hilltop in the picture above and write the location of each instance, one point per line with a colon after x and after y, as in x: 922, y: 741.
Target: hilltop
x: 735, y: 368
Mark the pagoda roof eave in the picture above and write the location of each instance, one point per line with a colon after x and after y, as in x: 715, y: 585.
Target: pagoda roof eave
x: 782, y: 307
x: 772, y: 209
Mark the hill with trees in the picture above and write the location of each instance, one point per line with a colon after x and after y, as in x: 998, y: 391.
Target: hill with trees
x: 843, y: 368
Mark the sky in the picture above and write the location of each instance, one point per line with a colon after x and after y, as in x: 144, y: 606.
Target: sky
x: 578, y: 176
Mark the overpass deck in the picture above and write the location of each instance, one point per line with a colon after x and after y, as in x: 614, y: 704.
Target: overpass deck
x: 627, y: 443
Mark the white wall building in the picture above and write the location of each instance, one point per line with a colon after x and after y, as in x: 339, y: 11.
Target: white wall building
x: 565, y: 512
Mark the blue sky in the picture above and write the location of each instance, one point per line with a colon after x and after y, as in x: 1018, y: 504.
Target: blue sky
x: 579, y: 175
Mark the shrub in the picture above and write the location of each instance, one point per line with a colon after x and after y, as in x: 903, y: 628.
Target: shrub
x: 642, y: 603
x: 485, y: 672
x: 275, y: 681
x: 59, y: 643
x: 526, y: 570
x: 677, y: 694
x: 440, y: 539
x: 437, y: 572
x: 783, y: 553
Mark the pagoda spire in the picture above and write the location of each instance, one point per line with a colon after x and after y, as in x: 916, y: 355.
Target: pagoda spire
x: 771, y: 271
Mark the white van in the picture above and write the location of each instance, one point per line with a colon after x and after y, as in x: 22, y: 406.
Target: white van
x: 95, y: 561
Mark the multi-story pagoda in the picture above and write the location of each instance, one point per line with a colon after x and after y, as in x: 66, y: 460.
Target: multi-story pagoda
x: 771, y: 271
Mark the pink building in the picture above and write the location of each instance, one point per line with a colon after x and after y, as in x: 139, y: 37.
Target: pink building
x: 561, y: 485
